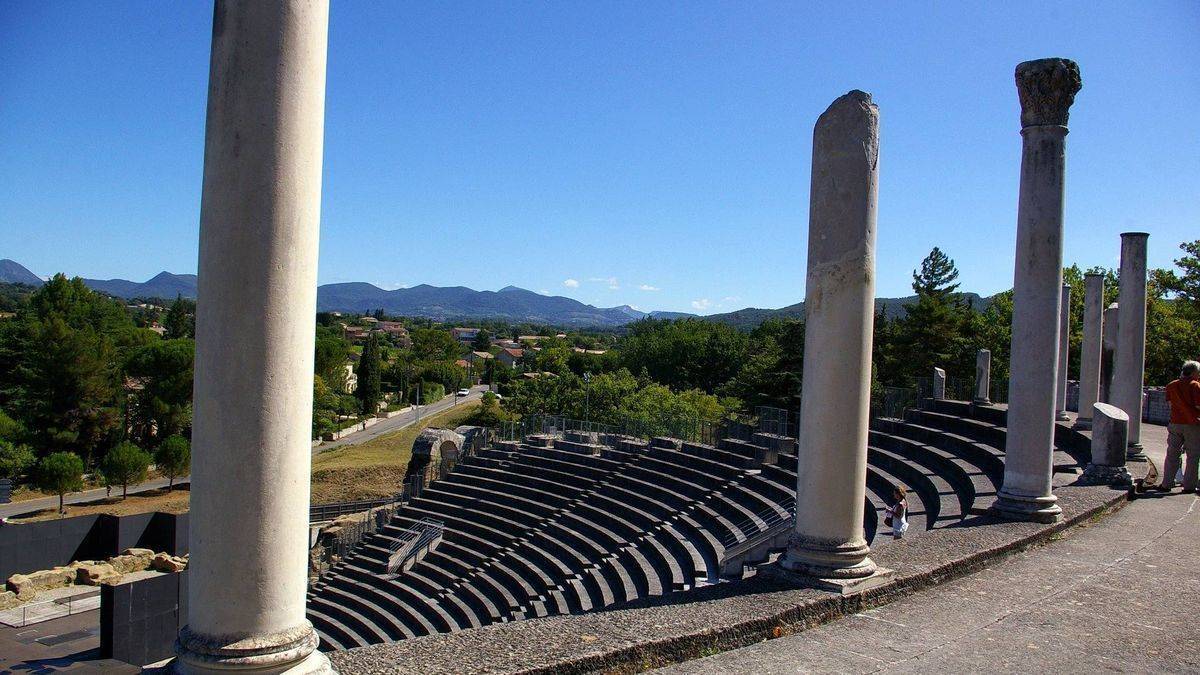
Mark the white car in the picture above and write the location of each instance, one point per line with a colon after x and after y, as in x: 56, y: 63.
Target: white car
x: 464, y: 392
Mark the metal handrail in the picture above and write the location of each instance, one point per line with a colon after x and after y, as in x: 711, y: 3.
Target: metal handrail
x: 770, y: 518
x: 423, y: 532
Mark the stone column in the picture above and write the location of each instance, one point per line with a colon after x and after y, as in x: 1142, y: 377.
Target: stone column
x: 1129, y: 369
x: 1064, y: 347
x: 828, y: 541
x: 939, y: 384
x: 259, y: 222
x: 983, y: 377
x: 1108, y: 354
x: 1089, y: 353
x: 1047, y: 89
x: 1110, y: 437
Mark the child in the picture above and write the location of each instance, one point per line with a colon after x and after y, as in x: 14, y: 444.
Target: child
x: 897, y: 514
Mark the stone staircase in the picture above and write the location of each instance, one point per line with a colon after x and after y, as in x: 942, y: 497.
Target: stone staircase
x: 579, y: 522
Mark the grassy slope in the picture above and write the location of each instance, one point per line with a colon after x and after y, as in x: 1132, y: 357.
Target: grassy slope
x: 368, y: 470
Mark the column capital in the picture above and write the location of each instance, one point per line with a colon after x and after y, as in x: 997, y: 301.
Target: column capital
x: 1047, y: 88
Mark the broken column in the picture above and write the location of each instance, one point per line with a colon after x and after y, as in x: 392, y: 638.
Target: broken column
x: 983, y: 377
x: 828, y: 540
x: 1110, y: 437
x: 1108, y: 353
x: 1064, y: 348
x: 1089, y: 352
x: 1130, y: 365
x: 939, y: 384
x: 1047, y: 89
x: 259, y: 222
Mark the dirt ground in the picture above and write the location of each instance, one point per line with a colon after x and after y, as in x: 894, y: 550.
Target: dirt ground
x: 175, y: 501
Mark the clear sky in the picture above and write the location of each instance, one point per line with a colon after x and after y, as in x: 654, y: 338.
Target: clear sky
x: 655, y: 154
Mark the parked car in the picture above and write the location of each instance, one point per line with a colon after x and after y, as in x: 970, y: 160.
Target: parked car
x: 463, y: 392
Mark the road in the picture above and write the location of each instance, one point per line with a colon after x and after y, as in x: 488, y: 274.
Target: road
x: 30, y: 505
x: 400, y: 421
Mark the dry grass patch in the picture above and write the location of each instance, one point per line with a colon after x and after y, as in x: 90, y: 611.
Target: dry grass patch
x: 375, y: 469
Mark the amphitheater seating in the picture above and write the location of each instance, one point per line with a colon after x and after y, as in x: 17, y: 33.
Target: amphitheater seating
x: 580, y: 522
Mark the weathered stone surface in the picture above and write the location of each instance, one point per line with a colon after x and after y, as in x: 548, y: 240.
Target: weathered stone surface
x: 132, y: 562
x: 1047, y: 88
x: 827, y: 540
x: 1064, y: 349
x: 28, y: 585
x: 983, y: 377
x: 1129, y: 366
x: 94, y: 575
x: 8, y: 600
x: 164, y: 562
x: 1091, y: 348
x: 1110, y: 438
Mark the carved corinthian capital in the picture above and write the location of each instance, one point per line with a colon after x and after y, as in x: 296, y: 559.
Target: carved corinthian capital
x: 1047, y: 89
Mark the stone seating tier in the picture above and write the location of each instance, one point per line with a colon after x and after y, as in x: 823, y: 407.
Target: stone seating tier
x: 576, y: 522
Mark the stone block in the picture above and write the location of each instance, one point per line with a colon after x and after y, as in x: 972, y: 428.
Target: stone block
x: 168, y: 563
x: 28, y: 585
x: 132, y: 562
x: 8, y: 600
x: 94, y: 575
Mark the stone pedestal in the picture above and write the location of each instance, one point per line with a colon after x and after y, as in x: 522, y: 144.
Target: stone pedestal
x: 1110, y: 437
x: 1108, y: 352
x: 1090, y: 350
x: 828, y: 540
x: 983, y: 377
x: 1129, y: 369
x: 1046, y: 88
x: 1064, y: 347
x: 259, y: 222
x: 939, y: 384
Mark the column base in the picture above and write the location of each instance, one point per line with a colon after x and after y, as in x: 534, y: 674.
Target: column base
x: 1062, y: 416
x: 1136, y: 453
x: 1100, y: 474
x: 780, y: 572
x: 1044, y: 509
x: 824, y: 559
x: 292, y: 651
x: 982, y: 401
x: 1082, y: 424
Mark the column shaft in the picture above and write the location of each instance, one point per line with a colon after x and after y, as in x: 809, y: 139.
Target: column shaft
x: 1089, y: 353
x: 1047, y: 89
x: 983, y: 377
x: 1108, y: 356
x: 1064, y: 349
x: 259, y: 222
x: 1130, y: 366
x: 828, y: 540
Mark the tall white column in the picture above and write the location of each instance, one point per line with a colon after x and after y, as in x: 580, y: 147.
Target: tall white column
x: 1047, y: 89
x: 1089, y: 352
x: 259, y: 222
x: 828, y: 539
x: 983, y: 377
x: 1108, y: 354
x: 1130, y: 366
x: 1064, y: 348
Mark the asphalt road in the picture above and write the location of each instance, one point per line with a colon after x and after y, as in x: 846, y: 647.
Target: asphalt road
x: 30, y: 505
x: 400, y: 421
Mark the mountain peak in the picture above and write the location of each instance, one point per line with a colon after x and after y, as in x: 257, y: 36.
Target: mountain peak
x: 510, y: 289
x: 13, y: 272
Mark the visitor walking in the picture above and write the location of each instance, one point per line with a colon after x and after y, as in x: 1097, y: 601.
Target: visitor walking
x: 1183, y: 432
x: 896, y: 515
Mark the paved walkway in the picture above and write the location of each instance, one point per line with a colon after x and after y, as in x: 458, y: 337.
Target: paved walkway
x: 400, y: 421
x: 1116, y: 595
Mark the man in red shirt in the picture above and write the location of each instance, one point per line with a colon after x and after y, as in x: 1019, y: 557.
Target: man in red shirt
x: 1183, y: 433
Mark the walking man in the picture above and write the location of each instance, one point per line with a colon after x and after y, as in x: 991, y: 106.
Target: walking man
x: 1183, y: 433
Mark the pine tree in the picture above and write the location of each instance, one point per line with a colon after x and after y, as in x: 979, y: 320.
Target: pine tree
x: 370, y: 384
x: 933, y: 332
x: 179, y: 321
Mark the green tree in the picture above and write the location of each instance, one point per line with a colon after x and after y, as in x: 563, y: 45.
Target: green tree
x: 686, y: 353
x: 1185, y: 284
x: 369, y: 372
x: 482, y: 341
x: 162, y: 374
x: 180, y: 321
x: 15, y: 460
x: 332, y: 351
x: 125, y: 463
x: 173, y: 458
x: 932, y: 332
x: 59, y: 473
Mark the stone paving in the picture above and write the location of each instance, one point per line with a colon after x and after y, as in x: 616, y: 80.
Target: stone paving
x: 1115, y: 595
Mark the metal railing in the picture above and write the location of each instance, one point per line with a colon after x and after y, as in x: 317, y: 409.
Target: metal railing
x: 770, y: 519
x: 710, y: 432
x: 37, y: 612
x: 415, y: 539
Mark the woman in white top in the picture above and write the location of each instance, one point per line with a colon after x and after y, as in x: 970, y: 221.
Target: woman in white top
x: 896, y: 515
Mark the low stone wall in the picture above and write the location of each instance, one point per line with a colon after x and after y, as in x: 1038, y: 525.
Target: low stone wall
x: 1155, y: 408
x: 21, y: 588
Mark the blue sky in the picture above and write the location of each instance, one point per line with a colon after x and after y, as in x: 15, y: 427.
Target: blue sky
x: 652, y: 154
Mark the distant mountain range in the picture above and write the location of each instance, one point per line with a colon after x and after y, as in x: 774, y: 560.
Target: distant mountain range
x: 452, y: 302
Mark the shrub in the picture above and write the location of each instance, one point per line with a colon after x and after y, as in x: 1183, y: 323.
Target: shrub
x: 15, y: 460
x: 124, y: 464
x: 60, y: 473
